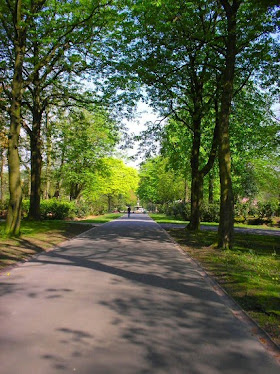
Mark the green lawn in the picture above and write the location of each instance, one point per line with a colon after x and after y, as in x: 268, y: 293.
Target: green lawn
x: 102, y: 219
x: 31, y: 228
x: 163, y: 218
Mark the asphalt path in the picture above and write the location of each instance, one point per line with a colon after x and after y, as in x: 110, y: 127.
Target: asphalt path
x: 121, y: 298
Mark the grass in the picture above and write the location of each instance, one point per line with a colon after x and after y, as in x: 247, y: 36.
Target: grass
x: 38, y: 236
x: 163, y: 218
x: 250, y: 273
x: 102, y: 219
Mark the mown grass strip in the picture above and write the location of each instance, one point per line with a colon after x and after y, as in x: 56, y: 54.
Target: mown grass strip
x: 163, y: 218
x: 102, y: 219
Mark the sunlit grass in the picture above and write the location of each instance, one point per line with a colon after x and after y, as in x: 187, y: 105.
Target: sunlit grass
x: 163, y: 218
x: 103, y: 218
x: 31, y: 228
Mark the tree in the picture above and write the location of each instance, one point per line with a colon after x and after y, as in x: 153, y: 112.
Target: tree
x: 44, y: 41
x: 187, y: 56
x: 83, y: 138
x: 114, y: 180
x: 160, y: 184
x: 14, y: 30
x: 248, y: 41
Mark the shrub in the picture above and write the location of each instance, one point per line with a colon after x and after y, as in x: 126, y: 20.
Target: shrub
x: 179, y: 210
x: 82, y: 209
x: 3, y: 209
x: 56, y: 209
x: 210, y: 212
x: 268, y: 209
x: 242, y: 209
x: 25, y: 208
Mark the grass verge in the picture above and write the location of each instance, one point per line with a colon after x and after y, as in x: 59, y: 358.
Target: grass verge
x: 163, y: 218
x: 41, y: 236
x: 250, y: 273
x: 102, y: 219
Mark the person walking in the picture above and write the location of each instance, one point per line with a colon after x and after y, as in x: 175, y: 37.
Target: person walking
x: 128, y: 211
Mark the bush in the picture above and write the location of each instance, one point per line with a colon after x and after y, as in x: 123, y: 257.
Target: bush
x: 210, y: 212
x: 268, y: 209
x: 242, y: 209
x: 3, y: 209
x: 56, y: 209
x: 82, y: 209
x: 179, y: 210
x: 25, y: 208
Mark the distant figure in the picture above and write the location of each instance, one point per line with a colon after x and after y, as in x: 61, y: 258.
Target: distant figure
x: 128, y: 211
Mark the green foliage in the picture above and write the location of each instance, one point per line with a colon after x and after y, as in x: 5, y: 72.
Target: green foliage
x: 268, y: 209
x: 114, y: 181
x: 82, y: 140
x: 56, y: 209
x: 179, y: 211
x: 3, y: 207
x: 182, y: 211
x: 210, y: 212
x: 158, y: 184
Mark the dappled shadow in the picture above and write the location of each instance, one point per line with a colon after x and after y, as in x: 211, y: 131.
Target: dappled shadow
x: 121, y: 299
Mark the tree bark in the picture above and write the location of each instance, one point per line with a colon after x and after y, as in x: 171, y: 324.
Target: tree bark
x: 59, y: 177
x: 211, y: 188
x: 36, y: 165
x: 49, y: 158
x: 14, y: 207
x: 199, y: 174
x: 2, y: 175
x: 225, y: 232
x: 197, y: 181
x: 75, y: 190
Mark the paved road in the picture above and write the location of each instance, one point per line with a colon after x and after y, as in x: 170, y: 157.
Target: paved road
x: 121, y: 299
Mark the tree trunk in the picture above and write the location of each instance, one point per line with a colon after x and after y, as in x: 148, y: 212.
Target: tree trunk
x: 2, y: 175
x: 197, y: 181
x: 186, y: 189
x: 225, y: 232
x: 49, y: 159
x: 211, y: 188
x: 14, y: 208
x: 59, y: 177
x: 109, y: 203
x: 36, y: 165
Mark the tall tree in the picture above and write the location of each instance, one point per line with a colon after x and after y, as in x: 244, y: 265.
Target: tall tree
x: 14, y: 22
x: 181, y: 72
x: 83, y: 138
x: 248, y: 47
x: 52, y: 40
x: 183, y: 47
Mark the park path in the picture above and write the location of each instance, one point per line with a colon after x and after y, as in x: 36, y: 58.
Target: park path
x: 121, y: 298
